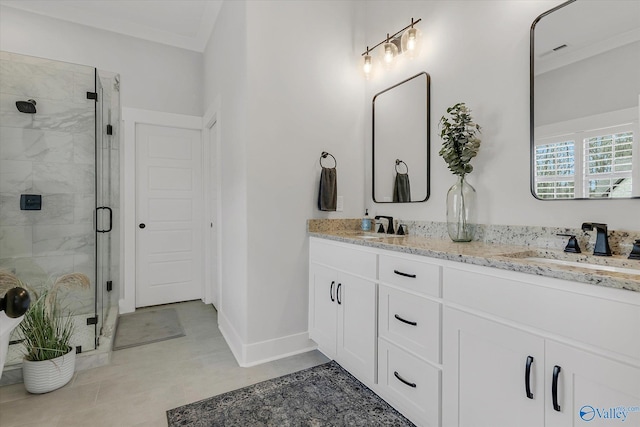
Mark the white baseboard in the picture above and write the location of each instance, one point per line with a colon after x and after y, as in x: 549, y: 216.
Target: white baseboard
x: 248, y: 355
x: 277, y: 348
x: 231, y: 336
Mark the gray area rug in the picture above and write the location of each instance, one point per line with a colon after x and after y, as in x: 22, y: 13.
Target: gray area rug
x: 146, y: 327
x: 324, y: 395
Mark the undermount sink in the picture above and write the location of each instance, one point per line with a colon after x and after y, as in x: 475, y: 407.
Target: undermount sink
x: 612, y: 268
x: 616, y: 264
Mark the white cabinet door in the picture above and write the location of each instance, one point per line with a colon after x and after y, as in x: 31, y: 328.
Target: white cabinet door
x: 485, y: 373
x: 323, y: 308
x: 356, y: 298
x: 591, y: 390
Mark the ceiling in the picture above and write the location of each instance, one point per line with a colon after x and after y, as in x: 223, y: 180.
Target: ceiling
x: 182, y: 23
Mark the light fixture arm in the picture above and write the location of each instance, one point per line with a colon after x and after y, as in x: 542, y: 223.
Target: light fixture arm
x: 393, y: 36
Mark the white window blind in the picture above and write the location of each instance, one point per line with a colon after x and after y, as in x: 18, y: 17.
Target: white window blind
x: 608, y: 165
x: 555, y: 170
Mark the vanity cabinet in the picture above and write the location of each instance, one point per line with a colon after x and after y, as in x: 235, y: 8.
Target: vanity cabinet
x: 451, y: 344
x: 526, y: 351
x: 342, y: 306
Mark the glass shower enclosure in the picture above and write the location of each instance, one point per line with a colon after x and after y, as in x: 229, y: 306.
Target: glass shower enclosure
x: 65, y: 156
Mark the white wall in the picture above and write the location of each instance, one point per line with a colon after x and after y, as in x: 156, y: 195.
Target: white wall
x: 305, y: 97
x: 153, y: 76
x: 225, y: 83
x: 478, y: 52
x: 287, y: 93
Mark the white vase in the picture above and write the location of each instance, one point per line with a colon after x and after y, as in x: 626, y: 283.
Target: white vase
x: 47, y: 375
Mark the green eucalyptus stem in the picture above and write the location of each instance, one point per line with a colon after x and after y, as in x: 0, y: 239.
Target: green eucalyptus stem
x: 459, y: 141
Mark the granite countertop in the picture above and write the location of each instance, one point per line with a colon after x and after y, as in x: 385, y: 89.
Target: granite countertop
x: 506, y: 257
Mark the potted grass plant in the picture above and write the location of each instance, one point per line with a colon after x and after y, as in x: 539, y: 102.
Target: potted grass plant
x: 46, y: 330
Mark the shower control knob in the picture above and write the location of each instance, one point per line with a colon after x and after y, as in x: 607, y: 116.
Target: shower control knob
x: 142, y: 225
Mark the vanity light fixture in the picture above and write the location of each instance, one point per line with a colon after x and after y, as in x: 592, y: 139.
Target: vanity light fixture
x: 407, y: 40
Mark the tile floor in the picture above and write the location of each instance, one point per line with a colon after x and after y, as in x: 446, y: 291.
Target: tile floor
x: 141, y: 383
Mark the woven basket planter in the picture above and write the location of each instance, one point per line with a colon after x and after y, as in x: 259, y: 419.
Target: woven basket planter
x: 48, y: 375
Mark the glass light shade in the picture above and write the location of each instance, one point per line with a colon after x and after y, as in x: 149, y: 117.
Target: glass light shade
x: 411, y: 42
x: 367, y: 65
x: 389, y: 52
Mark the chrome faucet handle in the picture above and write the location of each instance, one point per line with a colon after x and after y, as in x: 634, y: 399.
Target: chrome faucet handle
x: 572, y: 245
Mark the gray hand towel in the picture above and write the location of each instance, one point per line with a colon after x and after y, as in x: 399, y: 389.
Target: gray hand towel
x: 401, y: 188
x: 328, y: 194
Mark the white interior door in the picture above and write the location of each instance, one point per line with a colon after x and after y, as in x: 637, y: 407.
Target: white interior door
x: 169, y: 205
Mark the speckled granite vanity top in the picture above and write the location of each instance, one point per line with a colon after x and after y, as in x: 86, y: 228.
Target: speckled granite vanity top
x: 503, y: 256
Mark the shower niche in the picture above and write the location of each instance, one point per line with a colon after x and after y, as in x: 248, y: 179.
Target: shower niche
x: 59, y: 139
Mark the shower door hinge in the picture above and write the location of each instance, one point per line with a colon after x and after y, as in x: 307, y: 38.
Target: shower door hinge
x: 109, y: 285
x: 92, y: 95
x: 109, y: 130
x: 92, y: 320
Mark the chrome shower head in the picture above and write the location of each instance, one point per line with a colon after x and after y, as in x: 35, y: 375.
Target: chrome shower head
x: 28, y: 107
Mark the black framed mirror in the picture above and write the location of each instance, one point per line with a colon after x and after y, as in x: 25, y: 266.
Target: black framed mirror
x: 585, y: 92
x: 400, y: 142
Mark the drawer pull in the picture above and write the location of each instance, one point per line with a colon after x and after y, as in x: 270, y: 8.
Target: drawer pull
x: 554, y: 387
x: 339, y: 293
x: 400, y: 273
x: 331, y: 290
x: 402, y: 380
x: 408, y: 322
x: 527, y: 377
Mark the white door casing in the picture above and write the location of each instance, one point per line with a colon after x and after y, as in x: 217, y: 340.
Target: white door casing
x: 169, y: 204
x: 212, y: 273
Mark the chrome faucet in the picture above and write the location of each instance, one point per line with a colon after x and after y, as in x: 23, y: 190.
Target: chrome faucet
x: 390, y: 227
x: 602, y: 239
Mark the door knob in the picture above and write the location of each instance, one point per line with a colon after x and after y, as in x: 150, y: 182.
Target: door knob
x: 141, y: 225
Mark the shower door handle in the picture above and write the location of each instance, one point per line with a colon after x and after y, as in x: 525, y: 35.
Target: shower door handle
x: 110, y: 219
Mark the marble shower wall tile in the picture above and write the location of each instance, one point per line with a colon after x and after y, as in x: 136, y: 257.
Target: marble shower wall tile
x: 56, y: 209
x: 84, y: 208
x: 36, y: 145
x: 63, y: 178
x: 35, y: 81
x: 15, y: 241
x: 63, y: 239
x: 84, y: 148
x: 36, y: 271
x: 16, y: 176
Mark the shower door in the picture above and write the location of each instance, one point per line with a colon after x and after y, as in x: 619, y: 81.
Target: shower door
x: 49, y: 152
x: 107, y: 118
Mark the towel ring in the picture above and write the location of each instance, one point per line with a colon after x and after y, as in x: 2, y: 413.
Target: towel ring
x: 324, y: 156
x: 398, y: 161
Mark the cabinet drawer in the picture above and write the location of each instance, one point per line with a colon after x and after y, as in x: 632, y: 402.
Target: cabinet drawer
x: 354, y: 261
x: 409, y: 384
x: 398, y: 311
x: 411, y: 274
x: 567, y: 313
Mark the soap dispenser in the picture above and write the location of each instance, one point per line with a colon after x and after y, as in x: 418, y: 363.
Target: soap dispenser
x: 366, y: 221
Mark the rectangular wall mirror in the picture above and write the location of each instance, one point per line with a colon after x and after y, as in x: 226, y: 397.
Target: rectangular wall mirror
x: 585, y: 91
x: 401, y: 142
